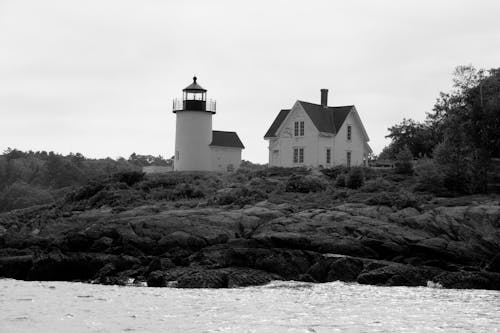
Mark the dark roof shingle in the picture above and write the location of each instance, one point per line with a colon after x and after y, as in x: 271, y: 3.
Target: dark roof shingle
x: 226, y: 139
x: 276, y: 123
x: 326, y: 119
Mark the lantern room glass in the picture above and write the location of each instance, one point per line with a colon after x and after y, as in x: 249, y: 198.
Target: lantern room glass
x: 195, y: 96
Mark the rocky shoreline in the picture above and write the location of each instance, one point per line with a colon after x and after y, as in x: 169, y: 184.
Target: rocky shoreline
x: 225, y: 247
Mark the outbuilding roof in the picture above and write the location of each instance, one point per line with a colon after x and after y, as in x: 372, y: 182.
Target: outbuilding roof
x: 327, y: 119
x: 226, y: 139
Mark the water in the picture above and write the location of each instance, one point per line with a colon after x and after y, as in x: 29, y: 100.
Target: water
x: 278, y: 307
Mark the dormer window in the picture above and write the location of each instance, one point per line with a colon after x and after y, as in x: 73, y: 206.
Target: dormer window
x: 349, y: 132
x: 299, y: 128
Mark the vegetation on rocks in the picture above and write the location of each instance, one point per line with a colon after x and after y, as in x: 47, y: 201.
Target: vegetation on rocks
x: 254, y: 226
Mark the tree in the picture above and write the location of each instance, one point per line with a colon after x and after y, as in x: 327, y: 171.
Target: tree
x: 404, y: 161
x: 412, y: 134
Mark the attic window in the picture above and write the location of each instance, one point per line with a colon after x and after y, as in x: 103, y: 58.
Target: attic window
x: 299, y: 128
x: 349, y: 132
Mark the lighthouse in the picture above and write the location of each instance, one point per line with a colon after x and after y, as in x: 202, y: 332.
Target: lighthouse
x: 197, y: 146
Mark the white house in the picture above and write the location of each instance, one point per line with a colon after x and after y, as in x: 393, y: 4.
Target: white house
x: 318, y: 135
x: 197, y: 146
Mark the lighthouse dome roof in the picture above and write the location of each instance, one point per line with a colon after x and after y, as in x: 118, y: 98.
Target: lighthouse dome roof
x: 194, y: 86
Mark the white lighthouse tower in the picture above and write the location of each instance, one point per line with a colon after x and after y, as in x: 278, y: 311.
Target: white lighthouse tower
x: 193, y: 130
x: 197, y: 146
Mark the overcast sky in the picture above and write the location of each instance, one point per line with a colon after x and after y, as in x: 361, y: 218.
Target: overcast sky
x: 98, y: 77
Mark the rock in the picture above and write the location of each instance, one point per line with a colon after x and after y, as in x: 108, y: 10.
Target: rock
x: 76, y: 242
x: 399, y: 275
x: 160, y: 264
x: 469, y: 280
x: 156, y: 279
x: 101, y: 244
x: 494, y: 265
x: 244, y: 277
x: 284, y: 240
x: 16, y: 267
x: 181, y: 239
x: 336, y: 269
x: 263, y: 212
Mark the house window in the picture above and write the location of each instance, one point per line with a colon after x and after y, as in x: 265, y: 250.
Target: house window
x: 328, y: 155
x: 177, y: 155
x: 349, y: 132
x: 299, y: 128
x: 348, y: 159
x: 298, y: 155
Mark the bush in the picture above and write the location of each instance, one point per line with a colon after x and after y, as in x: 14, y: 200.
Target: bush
x: 376, y: 185
x: 355, y: 178
x: 304, y: 184
x: 400, y: 199
x: 281, y: 172
x: 130, y: 178
x: 340, y: 180
x: 430, y: 177
x: 239, y: 196
x: 334, y: 172
x: 404, y: 161
x: 268, y: 185
x: 22, y: 195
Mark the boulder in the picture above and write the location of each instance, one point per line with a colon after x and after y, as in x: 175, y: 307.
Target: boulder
x: 336, y: 269
x: 399, y: 275
x: 494, y: 265
x: 469, y: 280
x: 156, y: 279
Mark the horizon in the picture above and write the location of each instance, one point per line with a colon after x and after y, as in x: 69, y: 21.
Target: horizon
x: 99, y: 78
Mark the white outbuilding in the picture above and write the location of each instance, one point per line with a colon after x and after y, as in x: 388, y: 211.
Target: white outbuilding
x: 197, y: 146
x: 316, y: 135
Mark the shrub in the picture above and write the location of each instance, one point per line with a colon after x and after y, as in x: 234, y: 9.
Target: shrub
x: 334, y: 172
x: 400, y: 199
x: 130, y: 178
x: 239, y: 196
x: 355, y: 178
x: 281, y: 172
x: 340, y: 180
x: 267, y: 185
x: 22, y: 195
x: 304, y: 184
x: 430, y: 177
x: 404, y: 160
x: 376, y: 185
x: 85, y: 192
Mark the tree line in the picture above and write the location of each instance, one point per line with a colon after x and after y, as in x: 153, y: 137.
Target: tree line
x: 460, y: 137
x: 30, y: 178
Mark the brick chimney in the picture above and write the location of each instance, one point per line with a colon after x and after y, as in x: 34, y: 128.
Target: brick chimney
x: 324, y: 97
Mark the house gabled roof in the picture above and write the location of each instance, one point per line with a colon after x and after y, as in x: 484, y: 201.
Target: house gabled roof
x: 326, y: 119
x: 276, y: 123
x: 226, y: 139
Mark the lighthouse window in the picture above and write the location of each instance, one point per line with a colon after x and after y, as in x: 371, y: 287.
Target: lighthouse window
x: 176, y: 154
